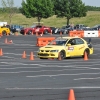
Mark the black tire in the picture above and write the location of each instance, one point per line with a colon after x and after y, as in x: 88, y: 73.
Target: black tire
x: 88, y: 53
x: 4, y: 33
x: 45, y: 32
x: 29, y: 32
x: 43, y: 58
x: 62, y: 55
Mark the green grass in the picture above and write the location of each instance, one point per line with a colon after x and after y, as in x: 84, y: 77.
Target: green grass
x: 92, y: 18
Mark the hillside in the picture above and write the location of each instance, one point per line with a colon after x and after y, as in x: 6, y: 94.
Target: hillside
x: 92, y: 18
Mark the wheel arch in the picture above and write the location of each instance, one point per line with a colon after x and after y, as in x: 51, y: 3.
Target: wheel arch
x: 62, y: 51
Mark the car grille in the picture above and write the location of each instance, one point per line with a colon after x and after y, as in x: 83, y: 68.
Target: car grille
x: 45, y: 50
x: 44, y: 54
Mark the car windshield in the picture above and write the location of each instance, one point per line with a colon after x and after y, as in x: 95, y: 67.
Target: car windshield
x: 33, y: 26
x: 58, y: 41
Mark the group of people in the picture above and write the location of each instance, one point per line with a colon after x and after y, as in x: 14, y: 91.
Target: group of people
x: 72, y: 26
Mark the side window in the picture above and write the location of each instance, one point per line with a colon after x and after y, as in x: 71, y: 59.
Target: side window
x: 79, y: 41
x: 72, y: 42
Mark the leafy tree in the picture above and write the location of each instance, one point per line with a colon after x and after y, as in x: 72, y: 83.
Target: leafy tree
x: 69, y: 9
x: 8, y: 6
x: 37, y: 8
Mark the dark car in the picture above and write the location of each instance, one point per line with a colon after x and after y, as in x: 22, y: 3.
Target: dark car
x: 65, y: 29
x: 96, y: 27
x: 16, y: 28
x: 54, y: 30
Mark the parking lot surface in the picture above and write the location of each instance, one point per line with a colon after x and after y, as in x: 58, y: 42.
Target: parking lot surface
x: 46, y: 79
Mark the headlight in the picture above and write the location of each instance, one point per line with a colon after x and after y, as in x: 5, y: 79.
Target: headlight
x: 54, y: 51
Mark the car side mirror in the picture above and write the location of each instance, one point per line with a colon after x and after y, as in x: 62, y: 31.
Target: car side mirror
x: 68, y: 44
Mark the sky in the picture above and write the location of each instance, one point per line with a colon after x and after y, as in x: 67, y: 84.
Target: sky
x: 96, y: 3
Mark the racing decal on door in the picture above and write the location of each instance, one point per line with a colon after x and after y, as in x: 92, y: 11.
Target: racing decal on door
x: 70, y: 48
x: 81, y: 47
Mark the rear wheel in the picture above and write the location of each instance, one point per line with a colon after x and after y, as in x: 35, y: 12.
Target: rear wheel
x: 45, y: 32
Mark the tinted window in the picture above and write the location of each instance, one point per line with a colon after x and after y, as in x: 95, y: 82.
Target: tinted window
x: 79, y: 41
x: 72, y: 42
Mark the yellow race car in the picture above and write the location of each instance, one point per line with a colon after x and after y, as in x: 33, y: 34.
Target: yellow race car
x: 66, y: 47
x: 4, y: 31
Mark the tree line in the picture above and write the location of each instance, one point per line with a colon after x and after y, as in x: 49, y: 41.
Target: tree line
x: 92, y: 8
x: 18, y: 9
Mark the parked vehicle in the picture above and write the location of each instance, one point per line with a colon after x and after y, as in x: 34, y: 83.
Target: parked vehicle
x: 16, y: 28
x: 96, y: 27
x: 4, y: 31
x: 81, y: 27
x: 54, y: 30
x: 64, y: 29
x: 36, y: 29
x: 27, y: 30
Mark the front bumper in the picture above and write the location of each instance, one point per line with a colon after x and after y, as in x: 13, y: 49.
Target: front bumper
x: 48, y: 55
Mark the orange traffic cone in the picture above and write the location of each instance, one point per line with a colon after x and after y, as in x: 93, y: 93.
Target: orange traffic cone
x: 59, y: 56
x: 6, y: 41
x: 51, y: 58
x: 24, y: 55
x: 32, y: 33
x: 36, y: 33
x: 1, y: 53
x: 31, y: 56
x: 85, y: 56
x: 51, y: 32
x: 10, y: 42
x: 7, y: 34
x: 25, y: 33
x: 71, y: 95
x: 16, y: 33
x: 60, y: 33
x: 41, y: 34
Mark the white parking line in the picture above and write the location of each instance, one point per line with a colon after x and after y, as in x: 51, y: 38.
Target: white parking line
x: 23, y: 44
x: 12, y: 54
x: 17, y: 54
x: 82, y: 87
x: 9, y: 57
x: 87, y: 78
x: 63, y: 75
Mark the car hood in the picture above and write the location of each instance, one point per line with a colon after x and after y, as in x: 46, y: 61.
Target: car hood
x: 52, y: 47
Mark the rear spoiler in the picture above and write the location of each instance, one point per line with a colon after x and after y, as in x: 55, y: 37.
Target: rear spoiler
x: 88, y: 40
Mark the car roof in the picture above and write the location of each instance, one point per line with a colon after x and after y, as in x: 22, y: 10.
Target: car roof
x: 67, y: 37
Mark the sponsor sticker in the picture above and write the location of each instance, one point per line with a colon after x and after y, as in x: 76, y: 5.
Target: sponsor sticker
x: 70, y: 48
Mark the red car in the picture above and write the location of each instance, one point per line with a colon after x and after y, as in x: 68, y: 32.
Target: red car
x: 27, y: 30
x: 36, y: 29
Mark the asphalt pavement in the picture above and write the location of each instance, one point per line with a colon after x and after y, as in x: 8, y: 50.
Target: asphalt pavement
x: 46, y: 79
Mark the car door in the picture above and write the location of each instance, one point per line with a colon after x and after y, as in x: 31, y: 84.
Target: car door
x: 80, y: 45
x: 72, y: 48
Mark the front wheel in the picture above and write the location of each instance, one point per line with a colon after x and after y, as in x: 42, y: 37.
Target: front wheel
x: 62, y: 55
x: 29, y: 32
x: 4, y: 33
